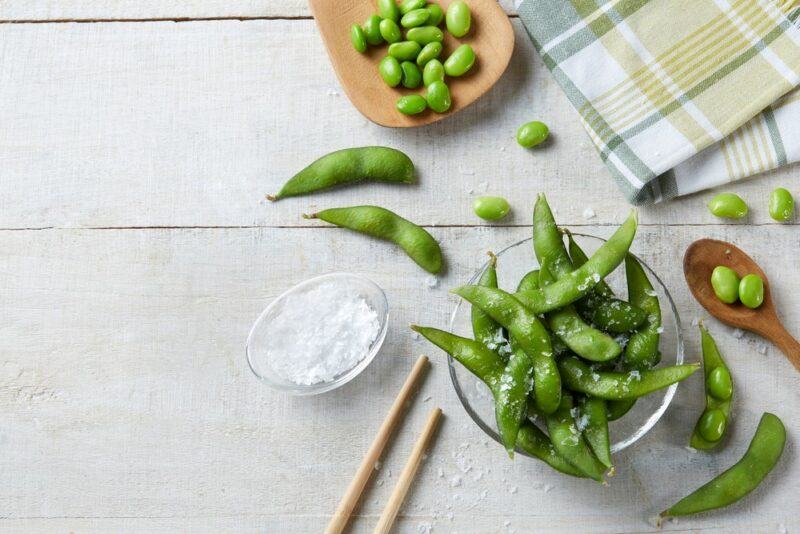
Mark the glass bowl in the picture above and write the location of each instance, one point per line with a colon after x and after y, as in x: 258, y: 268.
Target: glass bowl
x: 258, y: 339
x: 513, y: 263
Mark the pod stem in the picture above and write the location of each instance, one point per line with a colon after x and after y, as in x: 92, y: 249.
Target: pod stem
x: 272, y: 198
x: 309, y: 215
x: 492, y: 259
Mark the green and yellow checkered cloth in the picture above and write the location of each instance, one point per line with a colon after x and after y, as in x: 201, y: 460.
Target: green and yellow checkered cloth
x: 677, y: 95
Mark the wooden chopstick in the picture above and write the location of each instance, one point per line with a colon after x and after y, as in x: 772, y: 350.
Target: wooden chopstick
x: 348, y: 503
x: 407, y: 476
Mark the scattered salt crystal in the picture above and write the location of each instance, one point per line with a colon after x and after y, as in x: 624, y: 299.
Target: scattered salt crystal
x: 506, y: 523
x: 440, y: 473
x: 690, y: 449
x: 502, y: 149
x: 426, y: 399
x: 483, y: 186
x: 468, y: 172
x: 695, y: 321
x: 589, y: 213
x: 415, y: 335
x: 450, y: 516
x: 309, y: 348
x: 727, y: 251
x: 547, y: 488
x: 424, y: 528
x: 762, y: 348
x: 333, y: 92
x: 470, y: 191
x: 738, y: 333
x: 379, y: 482
x: 513, y: 490
x: 782, y: 529
x: 455, y: 481
x: 378, y: 465
x: 477, y: 476
x: 431, y: 282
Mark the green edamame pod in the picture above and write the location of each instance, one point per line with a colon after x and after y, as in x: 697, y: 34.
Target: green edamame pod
x: 373, y: 163
x: 410, y: 5
x: 438, y: 96
x: 579, y: 257
x: 510, y: 403
x: 458, y: 18
x: 384, y: 224
x: 609, y: 385
x: 411, y: 104
x: 486, y: 330
x: 642, y: 349
x: 425, y: 35
x: 593, y: 416
x: 579, y: 282
x: 532, y: 440
x: 358, y: 38
x: 616, y: 409
x: 528, y: 331
x: 390, y: 70
x: 412, y: 77
x: 437, y: 14
x: 415, y: 18
x: 529, y: 281
x: 372, y: 30
x: 460, y: 61
x: 484, y: 363
x: 569, y: 443
x: 743, y: 477
x: 432, y: 72
x: 404, y: 50
x: 429, y: 51
x: 388, y: 9
x: 719, y: 395
x: 390, y: 31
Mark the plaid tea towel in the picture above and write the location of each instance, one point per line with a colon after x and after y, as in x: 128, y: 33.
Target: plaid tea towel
x: 677, y: 95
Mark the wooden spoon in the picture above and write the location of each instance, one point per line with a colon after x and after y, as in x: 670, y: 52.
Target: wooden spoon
x: 701, y: 258
x: 491, y: 36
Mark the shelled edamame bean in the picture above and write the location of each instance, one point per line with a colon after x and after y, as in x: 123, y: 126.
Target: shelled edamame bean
x: 751, y: 291
x: 725, y: 283
x: 491, y: 208
x: 781, y: 205
x: 532, y: 133
x: 422, y: 44
x: 728, y: 206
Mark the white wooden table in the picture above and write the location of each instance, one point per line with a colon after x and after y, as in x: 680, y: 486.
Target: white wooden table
x: 137, y: 141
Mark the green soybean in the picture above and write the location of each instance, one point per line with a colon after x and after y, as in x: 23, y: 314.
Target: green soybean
x: 429, y: 52
x: 390, y: 70
x: 358, y: 38
x: 372, y: 30
x: 460, y: 61
x: 743, y: 477
x: 610, y: 385
x: 371, y: 163
x: 405, y: 50
x: 728, y: 206
x: 458, y: 18
x: 411, y: 104
x: 725, y: 283
x: 437, y: 14
x: 438, y: 95
x: 412, y: 77
x: 712, y: 422
x: 389, y: 10
x: 415, y: 18
x: 491, y: 208
x: 751, y: 291
x: 432, y: 72
x: 407, y: 6
x: 781, y: 205
x: 384, y: 224
x: 532, y: 133
x: 425, y: 35
x: 390, y: 31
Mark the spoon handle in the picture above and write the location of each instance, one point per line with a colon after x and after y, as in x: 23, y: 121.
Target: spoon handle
x: 788, y: 344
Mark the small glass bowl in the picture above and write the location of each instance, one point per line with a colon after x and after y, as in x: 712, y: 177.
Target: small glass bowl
x: 257, y: 340
x: 513, y: 263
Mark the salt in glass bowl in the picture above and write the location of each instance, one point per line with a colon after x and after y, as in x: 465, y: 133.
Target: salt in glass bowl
x: 258, y: 340
x: 513, y: 263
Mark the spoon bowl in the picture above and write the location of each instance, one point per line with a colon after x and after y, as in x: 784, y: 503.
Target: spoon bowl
x: 699, y: 262
x: 491, y: 36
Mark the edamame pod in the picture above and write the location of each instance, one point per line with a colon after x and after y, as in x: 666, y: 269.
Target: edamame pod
x: 569, y: 443
x: 592, y: 417
x: 609, y: 385
x: 425, y: 35
x: 374, y: 163
x: 579, y: 282
x: 642, y: 349
x: 486, y: 330
x: 528, y: 331
x: 532, y: 440
x: 511, y: 396
x: 460, y: 61
x: 719, y: 394
x: 384, y: 224
x: 743, y: 477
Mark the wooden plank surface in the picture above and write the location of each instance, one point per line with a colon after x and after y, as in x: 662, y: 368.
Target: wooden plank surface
x: 128, y: 403
x: 196, y: 122
x: 137, y: 250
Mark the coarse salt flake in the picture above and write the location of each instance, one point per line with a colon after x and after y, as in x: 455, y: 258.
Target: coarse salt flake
x: 319, y: 334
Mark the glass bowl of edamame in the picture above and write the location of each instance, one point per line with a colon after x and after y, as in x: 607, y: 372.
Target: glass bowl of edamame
x: 513, y: 262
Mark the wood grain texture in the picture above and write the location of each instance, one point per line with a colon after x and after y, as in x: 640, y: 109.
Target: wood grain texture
x: 491, y: 37
x: 159, y: 9
x: 185, y: 125
x: 128, y: 404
